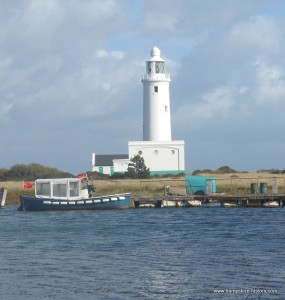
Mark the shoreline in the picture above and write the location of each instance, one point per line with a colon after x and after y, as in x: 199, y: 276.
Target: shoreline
x: 229, y: 183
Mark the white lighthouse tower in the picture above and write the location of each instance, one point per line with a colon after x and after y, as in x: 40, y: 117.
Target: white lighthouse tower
x: 156, y: 102
x: 160, y: 153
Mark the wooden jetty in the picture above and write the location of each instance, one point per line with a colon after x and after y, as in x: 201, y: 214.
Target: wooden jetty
x: 263, y: 192
x: 250, y: 200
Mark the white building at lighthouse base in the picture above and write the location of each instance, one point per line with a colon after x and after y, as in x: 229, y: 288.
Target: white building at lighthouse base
x: 160, y: 157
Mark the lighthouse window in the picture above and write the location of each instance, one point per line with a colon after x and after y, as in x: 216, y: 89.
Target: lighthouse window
x: 149, y: 67
x: 156, y: 89
x: 166, y: 108
x: 159, y: 67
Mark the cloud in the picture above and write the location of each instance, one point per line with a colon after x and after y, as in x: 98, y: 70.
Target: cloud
x: 192, y: 17
x: 73, y: 68
x: 101, y: 53
x: 270, y: 84
x: 259, y: 34
x: 212, y: 105
x: 4, y: 108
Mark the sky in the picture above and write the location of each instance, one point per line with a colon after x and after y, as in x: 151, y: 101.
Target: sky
x: 70, y: 79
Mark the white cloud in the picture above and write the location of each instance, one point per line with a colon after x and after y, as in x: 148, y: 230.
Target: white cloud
x: 5, y: 62
x: 40, y: 18
x: 270, y: 84
x: 259, y: 33
x: 216, y: 104
x: 101, y: 53
x: 5, y: 108
x: 155, y: 21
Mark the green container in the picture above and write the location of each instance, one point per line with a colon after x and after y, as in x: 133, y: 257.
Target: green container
x: 197, y: 185
x: 263, y: 187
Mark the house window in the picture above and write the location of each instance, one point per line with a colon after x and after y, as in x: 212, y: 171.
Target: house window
x: 156, y: 89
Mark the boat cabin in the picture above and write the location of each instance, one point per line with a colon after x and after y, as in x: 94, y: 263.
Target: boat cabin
x: 61, y: 188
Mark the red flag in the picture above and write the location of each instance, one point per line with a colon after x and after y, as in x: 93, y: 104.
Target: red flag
x: 82, y: 175
x: 27, y: 185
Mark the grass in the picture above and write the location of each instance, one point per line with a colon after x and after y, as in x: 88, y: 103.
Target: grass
x: 240, y: 183
x: 233, y: 183
x: 15, y: 189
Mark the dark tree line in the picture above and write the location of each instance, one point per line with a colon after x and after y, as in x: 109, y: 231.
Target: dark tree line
x: 226, y: 169
x: 31, y: 171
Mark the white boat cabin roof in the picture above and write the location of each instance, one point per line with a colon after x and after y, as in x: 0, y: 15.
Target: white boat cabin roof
x: 58, y: 180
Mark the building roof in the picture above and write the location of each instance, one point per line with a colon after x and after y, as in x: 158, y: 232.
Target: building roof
x: 107, y: 159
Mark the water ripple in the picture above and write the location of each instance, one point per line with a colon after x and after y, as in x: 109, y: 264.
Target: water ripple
x: 141, y: 253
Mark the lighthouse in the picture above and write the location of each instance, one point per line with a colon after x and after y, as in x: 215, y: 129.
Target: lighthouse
x: 156, y: 100
x: 161, y: 154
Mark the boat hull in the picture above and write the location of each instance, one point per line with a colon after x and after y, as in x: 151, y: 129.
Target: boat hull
x: 119, y: 201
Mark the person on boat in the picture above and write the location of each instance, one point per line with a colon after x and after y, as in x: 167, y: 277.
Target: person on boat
x: 91, y: 189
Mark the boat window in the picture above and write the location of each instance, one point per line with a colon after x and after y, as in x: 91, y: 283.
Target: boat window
x: 59, y: 189
x: 74, y: 189
x: 43, y: 188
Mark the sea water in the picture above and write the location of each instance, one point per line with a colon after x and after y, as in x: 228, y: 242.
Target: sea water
x: 156, y: 253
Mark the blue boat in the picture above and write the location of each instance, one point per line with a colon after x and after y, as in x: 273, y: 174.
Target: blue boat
x: 69, y: 194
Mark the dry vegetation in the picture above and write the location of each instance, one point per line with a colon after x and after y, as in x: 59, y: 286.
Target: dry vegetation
x: 14, y: 191
x: 240, y: 183
x: 232, y: 183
